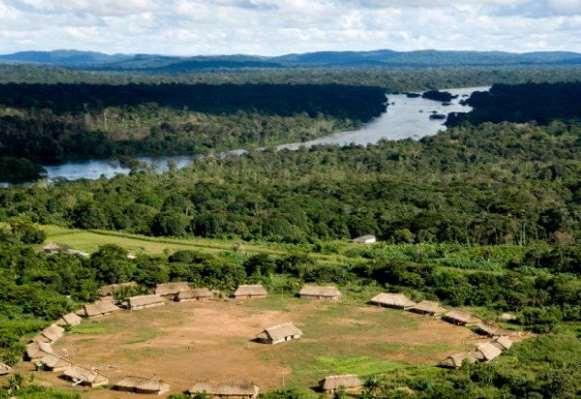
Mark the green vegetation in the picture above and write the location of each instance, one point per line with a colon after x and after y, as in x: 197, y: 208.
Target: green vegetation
x: 53, y: 123
x: 495, y: 184
x: 486, y: 217
x: 391, y: 79
x: 540, y: 103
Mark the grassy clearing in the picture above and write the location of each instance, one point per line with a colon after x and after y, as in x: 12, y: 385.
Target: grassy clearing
x: 91, y: 240
x: 338, y: 338
x: 352, y: 339
x: 463, y: 258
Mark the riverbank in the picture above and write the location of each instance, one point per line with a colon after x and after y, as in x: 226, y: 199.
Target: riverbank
x: 405, y: 118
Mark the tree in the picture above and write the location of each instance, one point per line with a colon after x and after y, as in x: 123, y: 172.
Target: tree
x: 111, y: 265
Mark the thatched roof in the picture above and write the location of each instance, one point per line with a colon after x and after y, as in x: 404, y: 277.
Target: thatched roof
x: 456, y: 360
x: 486, y: 329
x: 5, y: 369
x: 83, y: 376
x: 279, y: 332
x: 366, y: 239
x: 392, y: 300
x: 457, y: 316
x: 70, y: 319
x: 428, y: 307
x: 335, y: 382
x: 169, y: 289
x: 109, y: 290
x: 327, y: 291
x: 250, y: 290
x: 53, y: 333
x: 53, y: 362
x: 196, y: 293
x: 487, y: 351
x: 142, y: 385
x: 100, y: 308
x: 145, y: 300
x: 249, y: 390
x: 36, y: 350
x: 503, y: 343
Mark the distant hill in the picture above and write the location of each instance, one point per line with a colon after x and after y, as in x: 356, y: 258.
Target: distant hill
x: 379, y: 58
x: 62, y: 58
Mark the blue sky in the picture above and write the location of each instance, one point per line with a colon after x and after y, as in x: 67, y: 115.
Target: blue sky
x: 271, y: 27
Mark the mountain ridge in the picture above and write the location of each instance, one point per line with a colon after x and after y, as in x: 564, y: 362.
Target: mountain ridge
x: 78, y: 59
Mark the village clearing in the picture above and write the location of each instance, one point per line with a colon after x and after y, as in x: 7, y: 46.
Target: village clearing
x: 194, y: 342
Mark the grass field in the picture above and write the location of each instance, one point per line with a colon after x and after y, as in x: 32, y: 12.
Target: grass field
x: 211, y: 341
x: 451, y: 256
x: 90, y: 240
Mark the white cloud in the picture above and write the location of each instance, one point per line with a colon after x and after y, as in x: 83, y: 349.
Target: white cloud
x: 281, y: 26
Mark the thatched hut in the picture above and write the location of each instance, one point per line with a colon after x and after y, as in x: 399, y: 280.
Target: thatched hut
x: 428, y: 308
x: 152, y: 386
x: 366, y: 239
x: 36, y: 350
x: 346, y: 382
x: 145, y: 301
x: 99, y: 309
x: 238, y: 391
x: 457, y: 317
x: 170, y: 290
x: 279, y: 334
x: 84, y: 377
x: 503, y: 343
x: 456, y: 360
x: 5, y: 369
x: 51, y: 334
x: 252, y: 291
x: 196, y: 294
x: 396, y: 301
x: 70, y: 319
x: 54, y: 363
x: 486, y: 329
x: 487, y: 351
x: 109, y: 290
x: 328, y: 292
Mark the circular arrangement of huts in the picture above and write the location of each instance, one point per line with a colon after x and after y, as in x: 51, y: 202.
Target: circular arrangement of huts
x: 41, y: 353
x: 485, y: 351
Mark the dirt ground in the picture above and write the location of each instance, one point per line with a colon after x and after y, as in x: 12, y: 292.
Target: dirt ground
x: 211, y: 341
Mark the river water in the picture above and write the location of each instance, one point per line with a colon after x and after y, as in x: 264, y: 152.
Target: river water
x: 405, y: 118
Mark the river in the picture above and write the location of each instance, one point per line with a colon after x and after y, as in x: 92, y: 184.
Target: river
x: 405, y: 118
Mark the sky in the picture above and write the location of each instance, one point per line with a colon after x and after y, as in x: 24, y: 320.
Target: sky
x: 274, y: 27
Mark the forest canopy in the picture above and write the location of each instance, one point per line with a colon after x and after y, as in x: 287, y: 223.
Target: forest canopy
x: 531, y: 102
x: 53, y: 123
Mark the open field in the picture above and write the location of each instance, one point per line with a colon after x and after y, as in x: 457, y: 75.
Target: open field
x: 451, y: 256
x: 210, y: 341
x: 90, y: 240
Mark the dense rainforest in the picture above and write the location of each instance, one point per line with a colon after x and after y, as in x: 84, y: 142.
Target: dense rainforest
x: 51, y: 123
x: 540, y: 103
x: 492, y: 184
x: 390, y: 79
